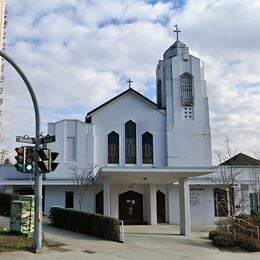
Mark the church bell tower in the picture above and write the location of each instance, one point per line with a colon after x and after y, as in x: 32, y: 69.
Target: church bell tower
x: 181, y: 91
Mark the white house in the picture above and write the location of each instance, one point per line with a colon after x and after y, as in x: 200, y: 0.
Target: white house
x: 145, y: 152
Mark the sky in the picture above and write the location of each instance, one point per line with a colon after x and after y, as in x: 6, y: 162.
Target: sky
x: 78, y: 54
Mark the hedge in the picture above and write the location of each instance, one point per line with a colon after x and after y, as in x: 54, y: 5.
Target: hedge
x: 5, y: 203
x: 87, y: 223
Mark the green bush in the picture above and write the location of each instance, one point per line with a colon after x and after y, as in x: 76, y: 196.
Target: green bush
x: 248, y: 244
x: 87, y: 223
x: 223, y: 241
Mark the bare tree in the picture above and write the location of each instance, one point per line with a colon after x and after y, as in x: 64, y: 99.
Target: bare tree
x: 3, y: 152
x: 227, y: 181
x: 83, y: 179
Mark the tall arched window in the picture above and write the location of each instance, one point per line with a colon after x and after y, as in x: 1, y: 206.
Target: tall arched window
x: 113, y: 147
x: 159, y: 93
x: 147, y: 147
x: 130, y: 142
x: 187, y: 96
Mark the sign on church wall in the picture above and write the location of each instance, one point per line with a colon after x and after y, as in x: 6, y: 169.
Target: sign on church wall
x: 195, y: 196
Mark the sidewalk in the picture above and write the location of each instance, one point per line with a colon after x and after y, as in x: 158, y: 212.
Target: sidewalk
x: 142, y: 242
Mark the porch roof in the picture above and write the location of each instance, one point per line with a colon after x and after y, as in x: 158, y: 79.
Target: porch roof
x: 146, y: 175
x: 126, y: 175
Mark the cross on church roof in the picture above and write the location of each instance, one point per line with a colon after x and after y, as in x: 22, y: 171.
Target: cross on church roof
x: 177, y: 31
x: 129, y: 82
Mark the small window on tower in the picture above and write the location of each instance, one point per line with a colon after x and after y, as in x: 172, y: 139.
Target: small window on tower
x: 187, y: 97
x: 188, y: 113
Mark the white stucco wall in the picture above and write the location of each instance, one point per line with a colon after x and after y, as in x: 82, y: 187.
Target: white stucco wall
x: 83, y: 136
x: 189, y: 141
x: 55, y: 196
x: 201, y: 205
x: 10, y: 172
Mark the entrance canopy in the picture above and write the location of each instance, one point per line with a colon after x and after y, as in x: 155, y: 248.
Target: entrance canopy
x: 146, y: 175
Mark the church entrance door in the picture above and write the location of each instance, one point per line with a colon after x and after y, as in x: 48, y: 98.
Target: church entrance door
x: 160, y: 201
x: 131, y: 208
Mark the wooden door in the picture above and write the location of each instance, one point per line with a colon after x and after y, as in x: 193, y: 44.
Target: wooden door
x: 131, y: 208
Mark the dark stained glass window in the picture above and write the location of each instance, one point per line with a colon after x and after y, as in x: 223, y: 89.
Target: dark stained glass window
x: 130, y: 142
x: 159, y: 93
x: 113, y: 147
x: 147, y: 147
x: 187, y: 97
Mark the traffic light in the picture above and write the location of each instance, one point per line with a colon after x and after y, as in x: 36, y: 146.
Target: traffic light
x: 19, y: 159
x: 29, y: 159
x: 47, y: 164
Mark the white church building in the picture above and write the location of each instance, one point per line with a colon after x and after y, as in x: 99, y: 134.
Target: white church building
x: 144, y: 152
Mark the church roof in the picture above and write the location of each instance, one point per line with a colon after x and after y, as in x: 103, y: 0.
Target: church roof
x: 176, y: 48
x: 242, y: 160
x: 130, y: 90
x: 177, y: 44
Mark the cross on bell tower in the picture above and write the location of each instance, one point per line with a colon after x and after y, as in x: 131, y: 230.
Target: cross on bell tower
x: 177, y: 31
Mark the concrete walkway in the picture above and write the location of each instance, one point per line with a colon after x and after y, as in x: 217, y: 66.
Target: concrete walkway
x: 142, y: 242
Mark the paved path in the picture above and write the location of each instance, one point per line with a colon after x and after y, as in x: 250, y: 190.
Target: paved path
x: 142, y: 242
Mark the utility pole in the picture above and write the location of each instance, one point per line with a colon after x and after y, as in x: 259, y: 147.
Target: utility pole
x: 37, y: 245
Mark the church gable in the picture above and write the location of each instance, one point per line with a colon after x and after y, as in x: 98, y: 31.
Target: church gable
x: 130, y: 129
x: 129, y: 91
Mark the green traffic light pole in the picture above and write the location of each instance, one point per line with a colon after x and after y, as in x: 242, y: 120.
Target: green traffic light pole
x: 38, y: 177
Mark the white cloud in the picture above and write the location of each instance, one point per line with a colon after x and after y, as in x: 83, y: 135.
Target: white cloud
x: 80, y: 53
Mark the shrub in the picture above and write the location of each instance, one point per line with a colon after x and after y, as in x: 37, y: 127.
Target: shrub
x: 248, y: 244
x: 87, y: 223
x: 217, y: 233
x: 223, y: 241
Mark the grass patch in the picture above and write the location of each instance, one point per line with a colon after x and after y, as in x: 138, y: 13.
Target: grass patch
x: 10, y: 241
x: 13, y: 242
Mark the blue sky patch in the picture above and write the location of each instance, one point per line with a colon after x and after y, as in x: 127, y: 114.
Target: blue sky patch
x: 177, y: 4
x: 247, y: 85
x: 115, y: 21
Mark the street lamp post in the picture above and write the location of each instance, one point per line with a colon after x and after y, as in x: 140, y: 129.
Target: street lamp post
x: 38, y: 177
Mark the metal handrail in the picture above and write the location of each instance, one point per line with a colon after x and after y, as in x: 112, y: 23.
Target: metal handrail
x: 253, y: 229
